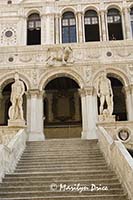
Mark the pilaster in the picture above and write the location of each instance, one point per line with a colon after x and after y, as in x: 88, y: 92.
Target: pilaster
x: 80, y: 23
x: 104, y: 25
x: 127, y: 25
x: 129, y: 101
x: 88, y: 113
x: 35, y: 114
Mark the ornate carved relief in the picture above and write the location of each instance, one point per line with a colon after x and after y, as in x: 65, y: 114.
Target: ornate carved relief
x: 8, y: 34
x: 130, y: 72
x: 59, y: 57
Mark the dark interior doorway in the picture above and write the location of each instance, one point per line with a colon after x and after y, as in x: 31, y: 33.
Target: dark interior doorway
x: 62, y: 109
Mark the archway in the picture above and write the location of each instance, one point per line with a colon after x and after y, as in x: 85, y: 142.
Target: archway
x: 62, y: 109
x: 5, y: 102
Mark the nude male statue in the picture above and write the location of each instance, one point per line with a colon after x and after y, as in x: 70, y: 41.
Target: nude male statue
x: 17, y: 91
x: 105, y: 93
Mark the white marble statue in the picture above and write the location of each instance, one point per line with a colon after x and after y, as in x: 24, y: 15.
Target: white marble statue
x: 17, y: 91
x: 105, y: 93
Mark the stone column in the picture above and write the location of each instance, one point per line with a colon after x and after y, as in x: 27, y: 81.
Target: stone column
x: 57, y: 28
x: 22, y: 28
x: 49, y: 33
x: 50, y: 102
x: 123, y: 25
x: 100, y: 27
x: 104, y: 26
x: 88, y: 113
x: 80, y: 26
x: 77, y: 104
x: 43, y: 29
x: 35, y: 115
x: 129, y: 101
x: 1, y: 98
x: 126, y: 14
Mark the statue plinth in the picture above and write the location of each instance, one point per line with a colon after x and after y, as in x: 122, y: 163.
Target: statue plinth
x: 109, y: 118
x: 16, y: 123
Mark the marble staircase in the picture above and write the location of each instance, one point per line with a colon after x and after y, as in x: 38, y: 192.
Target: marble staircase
x: 50, y: 170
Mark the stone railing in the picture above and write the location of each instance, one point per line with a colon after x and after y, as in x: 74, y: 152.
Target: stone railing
x: 7, y: 133
x: 10, y: 153
x: 114, y: 128
x: 118, y: 157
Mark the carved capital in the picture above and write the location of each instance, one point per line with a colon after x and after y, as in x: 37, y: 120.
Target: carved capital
x: 79, y: 13
x: 86, y: 91
x: 128, y: 89
x: 35, y: 93
x: 102, y: 12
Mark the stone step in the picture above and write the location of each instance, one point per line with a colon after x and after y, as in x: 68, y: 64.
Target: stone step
x: 58, y: 164
x: 68, y: 173
x: 50, y: 159
x: 47, y: 181
x: 46, y: 186
x: 58, y: 193
x: 61, y: 168
x: 63, y: 165
x: 54, y: 160
x: 59, y: 176
x: 34, y: 152
x: 61, y: 161
x: 71, y: 197
x: 89, y: 162
x: 63, y: 141
x: 60, y: 156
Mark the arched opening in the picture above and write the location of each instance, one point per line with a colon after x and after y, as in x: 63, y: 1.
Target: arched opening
x: 131, y: 19
x: 119, y: 99
x: 62, y: 109
x: 114, y: 24
x: 5, y: 103
x: 34, y: 29
x: 69, y: 28
x: 91, y: 23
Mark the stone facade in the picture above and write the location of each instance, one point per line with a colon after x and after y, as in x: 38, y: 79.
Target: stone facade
x: 37, y: 65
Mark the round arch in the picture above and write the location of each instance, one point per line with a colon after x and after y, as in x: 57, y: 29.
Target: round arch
x: 91, y: 8
x: 8, y: 78
x: 68, y: 9
x: 114, y: 6
x: 29, y: 12
x: 119, y: 74
x: 45, y: 78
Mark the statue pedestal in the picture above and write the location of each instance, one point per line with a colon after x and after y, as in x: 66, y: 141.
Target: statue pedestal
x: 109, y: 118
x: 16, y: 123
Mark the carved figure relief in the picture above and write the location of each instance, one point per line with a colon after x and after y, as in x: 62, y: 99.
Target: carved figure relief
x: 60, y: 57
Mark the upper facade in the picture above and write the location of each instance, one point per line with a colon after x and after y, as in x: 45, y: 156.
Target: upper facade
x: 28, y: 22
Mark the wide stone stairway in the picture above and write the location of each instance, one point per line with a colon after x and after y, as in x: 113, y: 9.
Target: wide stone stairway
x: 62, y: 169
